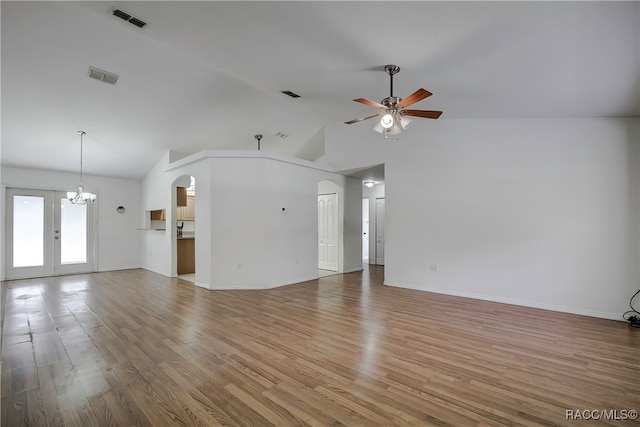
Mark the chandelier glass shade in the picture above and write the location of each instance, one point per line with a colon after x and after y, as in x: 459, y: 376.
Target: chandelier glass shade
x: 81, y: 197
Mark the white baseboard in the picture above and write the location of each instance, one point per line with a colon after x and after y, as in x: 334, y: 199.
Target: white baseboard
x: 256, y: 286
x: 200, y: 284
x: 514, y: 301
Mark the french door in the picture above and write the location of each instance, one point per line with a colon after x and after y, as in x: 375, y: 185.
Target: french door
x: 47, y: 235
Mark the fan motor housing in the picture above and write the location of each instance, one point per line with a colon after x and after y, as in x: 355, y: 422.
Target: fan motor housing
x: 391, y: 101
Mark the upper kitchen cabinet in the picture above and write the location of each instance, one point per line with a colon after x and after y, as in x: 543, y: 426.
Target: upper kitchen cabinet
x: 181, y: 196
x: 187, y: 212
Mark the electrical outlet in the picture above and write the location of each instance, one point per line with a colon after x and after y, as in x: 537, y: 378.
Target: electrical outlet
x: 433, y: 267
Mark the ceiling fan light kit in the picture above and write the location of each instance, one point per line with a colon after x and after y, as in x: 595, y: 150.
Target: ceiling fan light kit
x: 387, y: 121
x: 394, y: 110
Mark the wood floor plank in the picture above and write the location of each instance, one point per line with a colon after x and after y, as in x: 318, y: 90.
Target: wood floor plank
x: 132, y: 347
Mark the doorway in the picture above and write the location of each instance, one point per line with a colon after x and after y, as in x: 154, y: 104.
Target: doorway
x: 380, y: 231
x: 365, y: 230
x: 328, y: 231
x: 184, y: 189
x: 47, y: 235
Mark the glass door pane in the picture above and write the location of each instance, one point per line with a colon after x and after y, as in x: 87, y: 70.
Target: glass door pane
x: 73, y: 232
x: 28, y: 231
x: 73, y: 239
x: 29, y: 226
x: 47, y: 235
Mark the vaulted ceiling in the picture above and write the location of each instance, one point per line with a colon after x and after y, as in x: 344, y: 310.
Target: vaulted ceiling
x: 209, y: 75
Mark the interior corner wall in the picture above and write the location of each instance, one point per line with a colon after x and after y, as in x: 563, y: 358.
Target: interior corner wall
x: 239, y: 240
x: 264, y: 222
x: 291, y: 223
x: 256, y: 218
x: 3, y: 232
x: 158, y: 189
x: 118, y: 242
x: 156, y: 244
x: 352, y: 230
x: 535, y: 212
x: 373, y: 193
x: 2, y: 255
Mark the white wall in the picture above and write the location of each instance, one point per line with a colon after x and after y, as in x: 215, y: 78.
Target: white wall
x: 349, y: 192
x: 118, y: 241
x: 240, y: 208
x: 352, y: 229
x: 156, y: 244
x: 373, y: 193
x: 537, y: 212
x: 243, y: 237
x: 158, y: 189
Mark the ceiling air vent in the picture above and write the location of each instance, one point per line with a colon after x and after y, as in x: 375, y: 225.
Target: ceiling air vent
x: 138, y: 23
x: 291, y: 94
x: 103, y: 76
x: 130, y: 19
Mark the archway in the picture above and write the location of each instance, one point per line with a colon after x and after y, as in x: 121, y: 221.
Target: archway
x: 183, y: 228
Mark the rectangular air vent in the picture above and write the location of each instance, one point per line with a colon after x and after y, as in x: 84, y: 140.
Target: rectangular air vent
x: 291, y: 94
x: 103, y: 76
x: 138, y: 23
x: 122, y: 15
x: 130, y: 19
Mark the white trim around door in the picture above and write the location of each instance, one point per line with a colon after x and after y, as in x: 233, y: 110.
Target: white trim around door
x: 46, y: 235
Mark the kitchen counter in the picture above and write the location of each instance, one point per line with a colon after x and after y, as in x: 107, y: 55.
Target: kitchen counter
x: 187, y: 235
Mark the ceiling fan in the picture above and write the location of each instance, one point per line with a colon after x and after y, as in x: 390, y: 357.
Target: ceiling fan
x: 394, y: 110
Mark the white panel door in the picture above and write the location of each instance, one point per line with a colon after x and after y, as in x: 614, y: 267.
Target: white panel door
x: 328, y: 232
x: 365, y: 229
x: 380, y: 231
x: 47, y: 235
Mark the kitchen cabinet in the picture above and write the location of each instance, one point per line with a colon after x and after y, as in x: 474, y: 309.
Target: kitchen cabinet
x: 156, y: 220
x: 186, y: 256
x: 188, y: 212
x: 157, y: 215
x: 181, y: 196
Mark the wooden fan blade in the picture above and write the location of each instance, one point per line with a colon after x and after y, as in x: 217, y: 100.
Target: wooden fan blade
x: 350, y: 122
x: 423, y: 113
x: 369, y: 102
x: 416, y: 96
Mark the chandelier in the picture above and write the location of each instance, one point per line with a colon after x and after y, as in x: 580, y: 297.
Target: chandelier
x: 81, y: 197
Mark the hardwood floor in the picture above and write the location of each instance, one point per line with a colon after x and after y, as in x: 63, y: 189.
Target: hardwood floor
x: 135, y: 348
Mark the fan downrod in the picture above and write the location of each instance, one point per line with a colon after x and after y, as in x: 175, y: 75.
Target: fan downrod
x: 391, y: 101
